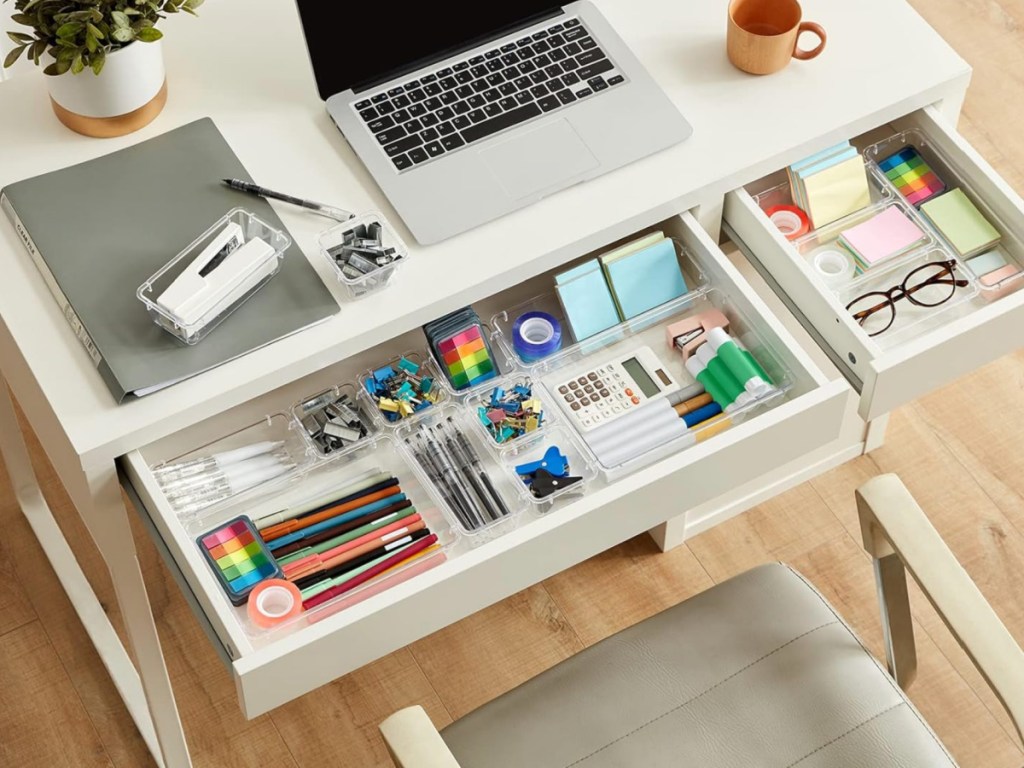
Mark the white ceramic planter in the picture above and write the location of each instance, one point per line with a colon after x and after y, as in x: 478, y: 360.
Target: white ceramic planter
x: 128, y: 94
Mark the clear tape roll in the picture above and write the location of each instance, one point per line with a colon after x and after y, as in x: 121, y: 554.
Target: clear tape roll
x: 833, y: 266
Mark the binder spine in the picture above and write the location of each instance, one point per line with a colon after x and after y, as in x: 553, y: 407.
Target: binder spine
x: 51, y: 282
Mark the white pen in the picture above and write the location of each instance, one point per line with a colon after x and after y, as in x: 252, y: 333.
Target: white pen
x: 191, y: 467
x: 258, y: 463
x: 232, y: 484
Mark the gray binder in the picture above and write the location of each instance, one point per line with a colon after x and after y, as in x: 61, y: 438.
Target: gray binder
x: 98, y: 230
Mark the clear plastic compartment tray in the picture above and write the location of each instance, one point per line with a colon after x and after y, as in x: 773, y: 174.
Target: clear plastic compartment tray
x: 504, y: 322
x: 332, y: 240
x: 193, y: 329
x: 379, y: 454
x: 302, y: 409
x: 177, y: 477
x: 649, y: 330
x: 451, y: 480
x: 1010, y: 247
x: 505, y: 364
x: 483, y: 398
x: 427, y: 367
x: 533, y: 447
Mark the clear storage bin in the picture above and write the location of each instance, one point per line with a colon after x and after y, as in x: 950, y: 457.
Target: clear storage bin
x: 504, y: 322
x: 533, y: 447
x: 427, y: 368
x: 482, y: 399
x: 478, y: 482
x: 1010, y: 246
x: 192, y: 322
x: 375, y: 455
x: 309, y: 407
x: 333, y: 241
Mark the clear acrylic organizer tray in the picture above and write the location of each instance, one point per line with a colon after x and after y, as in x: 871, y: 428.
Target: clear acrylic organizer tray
x: 428, y: 368
x: 378, y: 454
x: 193, y: 329
x: 332, y: 240
x: 649, y: 330
x: 448, y: 482
x: 303, y: 408
x: 532, y: 448
x: 1010, y: 247
x: 504, y: 322
x: 483, y: 399
x: 504, y: 362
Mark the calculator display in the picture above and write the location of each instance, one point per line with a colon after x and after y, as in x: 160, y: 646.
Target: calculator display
x: 643, y: 380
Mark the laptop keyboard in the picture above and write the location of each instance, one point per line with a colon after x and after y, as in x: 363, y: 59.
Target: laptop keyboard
x: 457, y: 105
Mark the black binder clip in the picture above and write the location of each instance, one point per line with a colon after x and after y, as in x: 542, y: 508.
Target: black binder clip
x: 543, y: 483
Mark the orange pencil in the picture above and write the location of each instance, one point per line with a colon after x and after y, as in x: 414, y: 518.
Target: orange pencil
x: 283, y: 529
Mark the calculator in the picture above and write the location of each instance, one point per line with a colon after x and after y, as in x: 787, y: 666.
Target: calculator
x: 602, y: 393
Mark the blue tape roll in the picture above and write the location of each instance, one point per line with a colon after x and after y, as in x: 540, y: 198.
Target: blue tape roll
x: 536, y: 335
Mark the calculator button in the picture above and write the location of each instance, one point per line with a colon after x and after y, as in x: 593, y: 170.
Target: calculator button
x: 563, y: 389
x: 598, y: 383
x: 569, y: 398
x: 607, y: 412
x: 595, y: 397
x: 573, y: 385
x: 629, y: 393
x: 635, y: 401
x: 575, y: 406
x: 582, y: 380
x: 592, y: 376
x: 605, y: 393
x: 617, y: 408
x: 588, y: 422
x: 585, y: 401
x: 588, y: 389
x: 597, y: 417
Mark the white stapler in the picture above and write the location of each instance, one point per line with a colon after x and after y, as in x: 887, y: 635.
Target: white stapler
x: 221, y: 274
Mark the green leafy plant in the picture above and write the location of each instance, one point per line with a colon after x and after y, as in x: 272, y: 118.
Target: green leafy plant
x: 78, y: 34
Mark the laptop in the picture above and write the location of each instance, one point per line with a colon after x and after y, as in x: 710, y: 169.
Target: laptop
x: 464, y: 115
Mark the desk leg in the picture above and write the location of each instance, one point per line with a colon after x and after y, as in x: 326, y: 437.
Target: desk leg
x: 108, y: 523
x: 874, y: 433
x: 40, y: 518
x: 670, y: 534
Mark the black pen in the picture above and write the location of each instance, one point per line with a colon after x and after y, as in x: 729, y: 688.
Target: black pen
x: 324, y: 210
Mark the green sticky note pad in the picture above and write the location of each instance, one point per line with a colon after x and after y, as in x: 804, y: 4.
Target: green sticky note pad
x: 961, y: 223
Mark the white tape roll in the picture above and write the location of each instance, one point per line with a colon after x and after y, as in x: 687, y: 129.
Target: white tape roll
x: 833, y: 266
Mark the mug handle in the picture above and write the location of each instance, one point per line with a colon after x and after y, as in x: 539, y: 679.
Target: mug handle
x: 809, y: 26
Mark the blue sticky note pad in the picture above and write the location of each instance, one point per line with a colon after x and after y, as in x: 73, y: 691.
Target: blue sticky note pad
x: 586, y: 300
x: 646, y: 279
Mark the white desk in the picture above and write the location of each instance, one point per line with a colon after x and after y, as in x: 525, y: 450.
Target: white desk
x: 745, y: 128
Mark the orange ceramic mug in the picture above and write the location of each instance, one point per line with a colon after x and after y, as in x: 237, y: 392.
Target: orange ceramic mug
x: 763, y: 35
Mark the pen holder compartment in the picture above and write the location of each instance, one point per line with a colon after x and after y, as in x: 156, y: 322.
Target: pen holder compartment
x: 994, y: 284
x: 506, y: 432
x: 465, y: 478
x: 364, y: 252
x: 529, y: 319
x: 375, y: 387
x: 376, y: 456
x: 572, y: 459
x: 214, y: 275
x: 196, y: 483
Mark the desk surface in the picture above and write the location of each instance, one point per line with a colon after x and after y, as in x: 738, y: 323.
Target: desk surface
x: 266, y: 105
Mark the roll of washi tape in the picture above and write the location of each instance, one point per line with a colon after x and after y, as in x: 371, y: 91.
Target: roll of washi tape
x: 535, y: 335
x: 789, y: 220
x: 273, y: 602
x: 833, y: 266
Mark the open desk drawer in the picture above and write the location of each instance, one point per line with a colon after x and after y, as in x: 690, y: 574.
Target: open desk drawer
x: 887, y: 376
x: 273, y: 669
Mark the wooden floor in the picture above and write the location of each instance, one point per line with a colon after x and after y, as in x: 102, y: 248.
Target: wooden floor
x: 960, y: 450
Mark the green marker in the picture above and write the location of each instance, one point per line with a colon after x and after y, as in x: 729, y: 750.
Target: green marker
x: 740, y: 363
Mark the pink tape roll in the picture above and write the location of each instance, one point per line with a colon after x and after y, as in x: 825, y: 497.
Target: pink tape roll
x: 273, y: 602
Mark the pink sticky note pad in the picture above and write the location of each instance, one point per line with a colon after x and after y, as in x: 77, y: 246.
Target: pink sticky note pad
x: 884, y: 235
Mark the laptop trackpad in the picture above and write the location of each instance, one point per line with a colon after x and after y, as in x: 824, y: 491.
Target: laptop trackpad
x: 539, y: 159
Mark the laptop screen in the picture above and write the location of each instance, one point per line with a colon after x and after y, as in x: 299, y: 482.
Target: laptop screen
x: 353, y: 44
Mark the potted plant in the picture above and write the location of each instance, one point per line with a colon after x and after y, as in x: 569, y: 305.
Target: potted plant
x: 103, y: 59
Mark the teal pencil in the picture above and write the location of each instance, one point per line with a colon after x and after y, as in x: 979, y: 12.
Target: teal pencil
x: 326, y: 584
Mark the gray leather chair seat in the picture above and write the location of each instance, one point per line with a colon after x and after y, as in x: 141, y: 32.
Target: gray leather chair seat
x: 757, y: 672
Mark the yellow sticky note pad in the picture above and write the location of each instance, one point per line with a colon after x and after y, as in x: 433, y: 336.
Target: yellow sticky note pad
x: 837, y: 191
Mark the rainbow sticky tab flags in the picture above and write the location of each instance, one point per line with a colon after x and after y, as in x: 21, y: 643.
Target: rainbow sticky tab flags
x: 912, y: 176
x: 460, y: 346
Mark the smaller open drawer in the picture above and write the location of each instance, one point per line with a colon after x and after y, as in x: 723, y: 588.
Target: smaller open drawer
x: 968, y: 334
x: 274, y: 667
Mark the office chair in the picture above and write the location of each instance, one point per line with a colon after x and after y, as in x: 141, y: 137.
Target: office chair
x: 757, y: 672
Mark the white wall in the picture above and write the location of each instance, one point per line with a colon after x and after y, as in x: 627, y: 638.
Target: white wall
x: 6, y: 9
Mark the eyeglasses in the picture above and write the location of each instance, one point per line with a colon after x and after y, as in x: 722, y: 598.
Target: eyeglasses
x: 929, y: 285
